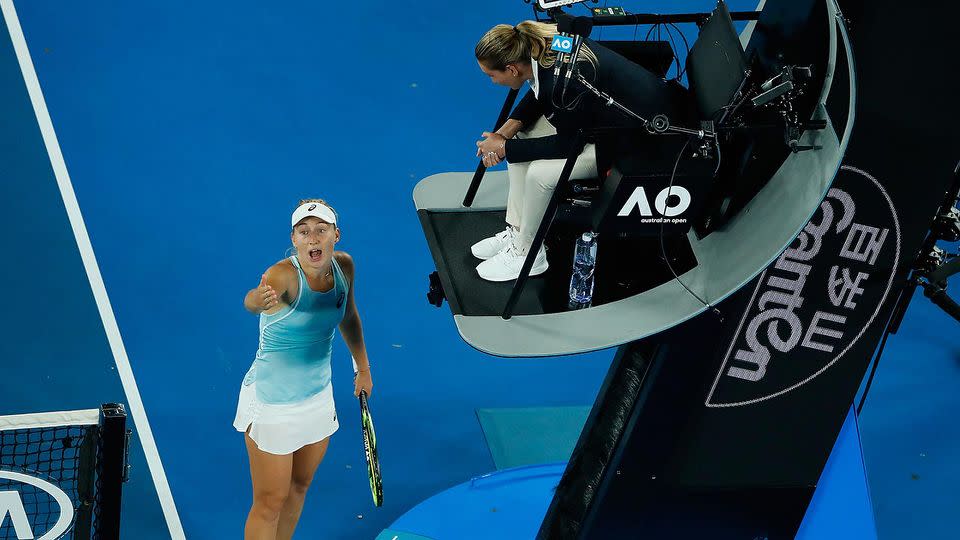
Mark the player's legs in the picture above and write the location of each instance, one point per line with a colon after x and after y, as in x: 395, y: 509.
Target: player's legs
x: 271, y: 476
x: 305, y: 462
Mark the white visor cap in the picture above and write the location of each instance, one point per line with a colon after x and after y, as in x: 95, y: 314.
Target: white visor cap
x: 314, y: 209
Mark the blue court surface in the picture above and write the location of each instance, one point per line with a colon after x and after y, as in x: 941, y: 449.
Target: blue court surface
x: 151, y: 155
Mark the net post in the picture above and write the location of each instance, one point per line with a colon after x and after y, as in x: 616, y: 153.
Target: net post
x: 111, y: 469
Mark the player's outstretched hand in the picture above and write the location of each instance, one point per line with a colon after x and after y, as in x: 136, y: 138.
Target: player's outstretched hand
x: 266, y: 296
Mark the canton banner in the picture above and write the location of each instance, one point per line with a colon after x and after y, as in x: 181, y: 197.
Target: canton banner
x: 816, y: 301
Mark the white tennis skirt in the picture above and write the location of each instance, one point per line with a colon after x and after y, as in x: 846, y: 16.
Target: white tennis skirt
x: 285, y: 428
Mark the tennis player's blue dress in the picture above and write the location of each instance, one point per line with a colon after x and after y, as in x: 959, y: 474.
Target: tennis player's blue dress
x: 286, y: 398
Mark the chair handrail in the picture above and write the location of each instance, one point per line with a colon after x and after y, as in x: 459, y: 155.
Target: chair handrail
x: 481, y: 169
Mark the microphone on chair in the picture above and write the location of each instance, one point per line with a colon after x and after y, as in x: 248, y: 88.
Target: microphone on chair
x: 565, y: 31
x: 565, y: 60
x: 580, y: 27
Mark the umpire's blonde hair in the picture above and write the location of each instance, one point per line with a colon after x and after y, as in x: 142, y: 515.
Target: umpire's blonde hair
x: 504, y: 44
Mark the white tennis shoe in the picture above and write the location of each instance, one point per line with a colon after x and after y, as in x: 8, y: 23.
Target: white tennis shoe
x: 505, y: 265
x: 488, y: 247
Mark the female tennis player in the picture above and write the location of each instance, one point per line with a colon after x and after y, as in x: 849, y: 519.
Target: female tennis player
x: 286, y: 407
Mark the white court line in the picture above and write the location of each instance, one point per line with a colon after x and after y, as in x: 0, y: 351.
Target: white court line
x: 93, y: 271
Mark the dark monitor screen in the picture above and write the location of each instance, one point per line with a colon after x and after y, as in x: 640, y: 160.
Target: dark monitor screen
x: 716, y: 64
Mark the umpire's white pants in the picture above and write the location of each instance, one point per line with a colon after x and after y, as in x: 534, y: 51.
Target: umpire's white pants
x: 532, y: 184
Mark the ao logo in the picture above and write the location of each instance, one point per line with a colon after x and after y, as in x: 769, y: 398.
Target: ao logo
x: 639, y: 200
x: 562, y: 44
x: 12, y: 505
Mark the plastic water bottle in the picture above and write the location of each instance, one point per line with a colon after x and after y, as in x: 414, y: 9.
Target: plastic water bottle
x: 584, y: 260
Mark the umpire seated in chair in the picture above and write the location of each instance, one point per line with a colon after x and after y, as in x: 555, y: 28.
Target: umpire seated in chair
x: 545, y: 124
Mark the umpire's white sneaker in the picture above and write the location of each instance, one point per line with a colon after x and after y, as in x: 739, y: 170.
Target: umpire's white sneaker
x: 488, y: 247
x: 506, y: 265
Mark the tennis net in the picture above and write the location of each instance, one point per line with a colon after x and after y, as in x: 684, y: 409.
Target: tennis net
x: 60, y: 474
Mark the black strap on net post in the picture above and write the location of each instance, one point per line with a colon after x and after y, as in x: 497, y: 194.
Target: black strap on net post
x: 478, y: 175
x: 86, y: 483
x: 545, y: 223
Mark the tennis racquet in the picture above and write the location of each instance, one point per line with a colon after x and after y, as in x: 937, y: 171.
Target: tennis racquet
x: 370, y: 448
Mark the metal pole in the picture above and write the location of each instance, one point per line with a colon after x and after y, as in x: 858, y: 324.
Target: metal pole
x: 478, y: 175
x: 111, y: 464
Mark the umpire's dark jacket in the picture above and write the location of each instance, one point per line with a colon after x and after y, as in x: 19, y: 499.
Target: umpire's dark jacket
x: 630, y: 84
